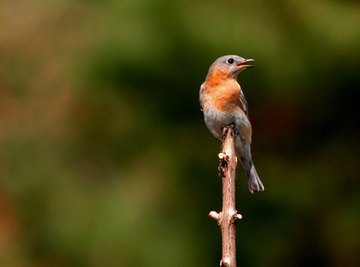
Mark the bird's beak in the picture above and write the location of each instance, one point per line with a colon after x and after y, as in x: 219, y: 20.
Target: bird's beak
x: 243, y: 65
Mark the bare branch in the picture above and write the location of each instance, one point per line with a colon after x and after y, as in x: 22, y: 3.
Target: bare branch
x: 228, y: 217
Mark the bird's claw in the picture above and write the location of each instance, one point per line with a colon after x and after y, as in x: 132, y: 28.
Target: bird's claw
x: 226, y: 128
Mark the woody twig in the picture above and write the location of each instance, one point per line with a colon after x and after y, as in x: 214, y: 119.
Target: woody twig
x: 228, y: 217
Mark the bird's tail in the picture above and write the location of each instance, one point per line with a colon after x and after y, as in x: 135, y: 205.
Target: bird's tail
x: 253, y: 180
x: 244, y: 156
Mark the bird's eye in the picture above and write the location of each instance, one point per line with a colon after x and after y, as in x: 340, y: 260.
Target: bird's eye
x: 230, y: 61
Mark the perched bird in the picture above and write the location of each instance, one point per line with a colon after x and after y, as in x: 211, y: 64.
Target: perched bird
x: 223, y: 103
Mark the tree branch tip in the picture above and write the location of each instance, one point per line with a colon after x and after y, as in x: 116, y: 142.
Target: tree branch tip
x: 214, y: 215
x: 238, y: 216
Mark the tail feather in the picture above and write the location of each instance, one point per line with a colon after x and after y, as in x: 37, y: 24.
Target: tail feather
x: 253, y: 180
x: 244, y: 156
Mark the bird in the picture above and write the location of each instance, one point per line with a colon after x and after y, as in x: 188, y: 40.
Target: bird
x: 223, y: 103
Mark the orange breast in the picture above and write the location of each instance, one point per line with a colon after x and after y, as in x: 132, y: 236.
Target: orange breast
x: 216, y: 78
x: 225, y: 96
x: 227, y: 101
x: 221, y: 91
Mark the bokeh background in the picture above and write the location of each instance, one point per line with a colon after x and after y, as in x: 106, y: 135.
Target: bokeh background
x: 104, y: 156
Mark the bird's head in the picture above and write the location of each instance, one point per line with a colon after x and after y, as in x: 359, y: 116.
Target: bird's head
x: 229, y: 66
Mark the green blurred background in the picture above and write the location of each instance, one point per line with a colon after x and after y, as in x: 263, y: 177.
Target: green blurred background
x: 104, y: 156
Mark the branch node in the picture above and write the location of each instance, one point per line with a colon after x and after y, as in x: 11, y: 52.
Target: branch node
x: 238, y: 216
x: 234, y: 217
x: 222, y: 156
x: 225, y: 262
x: 223, y: 163
x: 214, y: 215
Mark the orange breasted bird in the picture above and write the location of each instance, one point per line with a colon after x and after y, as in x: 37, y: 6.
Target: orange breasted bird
x: 223, y: 103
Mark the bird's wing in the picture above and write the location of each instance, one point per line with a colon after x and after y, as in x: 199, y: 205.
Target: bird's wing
x: 244, y: 104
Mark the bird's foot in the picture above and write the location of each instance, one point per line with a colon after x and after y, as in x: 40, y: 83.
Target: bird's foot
x: 226, y: 128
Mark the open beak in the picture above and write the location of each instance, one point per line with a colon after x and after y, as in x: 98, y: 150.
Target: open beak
x: 244, y: 64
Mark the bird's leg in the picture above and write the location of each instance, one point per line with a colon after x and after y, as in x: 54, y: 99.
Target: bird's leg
x: 233, y: 127
x: 226, y: 128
